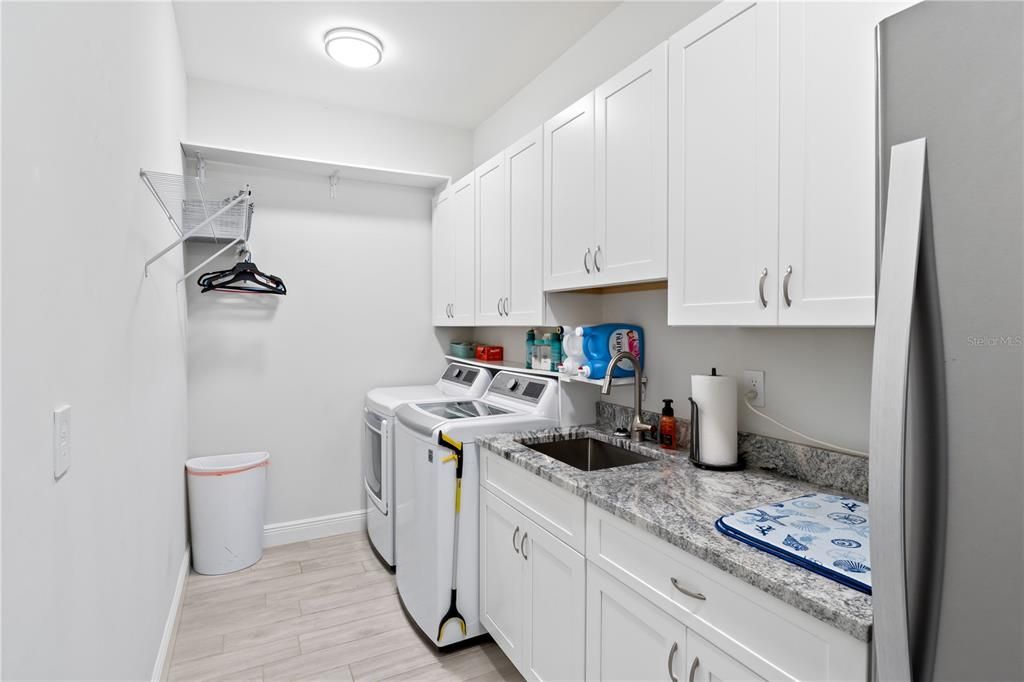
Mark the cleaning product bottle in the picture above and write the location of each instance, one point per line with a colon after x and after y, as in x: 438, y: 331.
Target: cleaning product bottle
x: 602, y: 341
x: 572, y: 345
x: 667, y: 426
x: 530, y: 336
x: 556, y: 349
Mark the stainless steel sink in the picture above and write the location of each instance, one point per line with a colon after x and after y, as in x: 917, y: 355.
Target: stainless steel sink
x: 589, y: 454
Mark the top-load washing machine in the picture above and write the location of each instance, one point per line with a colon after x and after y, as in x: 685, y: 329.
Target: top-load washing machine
x: 457, y: 381
x: 437, y: 494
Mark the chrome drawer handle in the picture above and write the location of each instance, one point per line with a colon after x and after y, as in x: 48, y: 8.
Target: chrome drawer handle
x: 515, y: 542
x: 688, y: 593
x: 672, y: 655
x: 693, y: 668
x: 586, y: 261
x: 522, y: 545
x: 760, y: 288
x: 785, y: 287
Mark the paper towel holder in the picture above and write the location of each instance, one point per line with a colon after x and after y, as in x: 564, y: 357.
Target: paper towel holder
x: 695, y: 459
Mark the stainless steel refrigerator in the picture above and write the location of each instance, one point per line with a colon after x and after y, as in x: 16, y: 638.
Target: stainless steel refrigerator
x: 947, y: 461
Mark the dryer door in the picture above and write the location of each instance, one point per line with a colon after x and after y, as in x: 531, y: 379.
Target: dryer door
x: 375, y: 460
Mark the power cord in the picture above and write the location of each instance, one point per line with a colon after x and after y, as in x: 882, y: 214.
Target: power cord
x: 751, y: 395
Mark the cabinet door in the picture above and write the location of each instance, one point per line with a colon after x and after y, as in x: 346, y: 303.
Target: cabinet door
x: 569, y: 197
x: 524, y: 193
x: 502, y: 575
x: 463, y: 250
x: 723, y: 167
x: 441, y: 264
x: 491, y: 242
x: 628, y: 638
x: 827, y: 162
x: 555, y: 608
x: 631, y: 155
x: 707, y: 663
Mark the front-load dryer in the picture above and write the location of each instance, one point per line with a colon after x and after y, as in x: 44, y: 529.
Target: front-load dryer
x: 457, y: 381
x: 437, y: 492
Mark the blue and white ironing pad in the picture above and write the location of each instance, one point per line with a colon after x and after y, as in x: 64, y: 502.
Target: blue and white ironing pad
x: 827, y: 534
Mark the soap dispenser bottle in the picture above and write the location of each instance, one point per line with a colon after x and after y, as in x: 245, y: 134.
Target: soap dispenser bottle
x: 667, y: 426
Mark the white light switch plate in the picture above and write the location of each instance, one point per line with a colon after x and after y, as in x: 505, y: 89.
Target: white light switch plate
x: 61, y: 441
x: 753, y: 380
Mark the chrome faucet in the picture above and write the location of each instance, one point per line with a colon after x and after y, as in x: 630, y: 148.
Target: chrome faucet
x: 636, y: 428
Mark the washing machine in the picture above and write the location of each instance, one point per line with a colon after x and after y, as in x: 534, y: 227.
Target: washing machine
x: 457, y: 381
x: 437, y: 495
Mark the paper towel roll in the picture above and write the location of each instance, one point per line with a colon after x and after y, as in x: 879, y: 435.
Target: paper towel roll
x: 716, y: 403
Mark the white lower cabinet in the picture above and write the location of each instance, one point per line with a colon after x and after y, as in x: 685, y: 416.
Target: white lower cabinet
x: 532, y: 592
x: 707, y: 663
x: 572, y: 592
x: 628, y: 638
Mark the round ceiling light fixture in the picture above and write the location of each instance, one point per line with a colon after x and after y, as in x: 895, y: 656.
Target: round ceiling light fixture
x: 353, y: 47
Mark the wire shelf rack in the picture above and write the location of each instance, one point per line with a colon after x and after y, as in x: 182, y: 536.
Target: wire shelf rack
x: 188, y: 206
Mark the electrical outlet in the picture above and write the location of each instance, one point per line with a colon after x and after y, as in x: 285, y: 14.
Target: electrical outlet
x: 753, y: 380
x: 61, y: 441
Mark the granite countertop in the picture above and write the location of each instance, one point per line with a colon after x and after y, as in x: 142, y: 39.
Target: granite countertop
x: 680, y: 503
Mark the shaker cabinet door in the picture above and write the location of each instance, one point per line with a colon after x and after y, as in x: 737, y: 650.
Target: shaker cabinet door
x: 723, y: 168
x: 569, y: 197
x: 631, y: 118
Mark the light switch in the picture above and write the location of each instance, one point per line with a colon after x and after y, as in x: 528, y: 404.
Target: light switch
x: 61, y: 441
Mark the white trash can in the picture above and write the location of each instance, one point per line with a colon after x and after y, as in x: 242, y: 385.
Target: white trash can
x: 226, y: 505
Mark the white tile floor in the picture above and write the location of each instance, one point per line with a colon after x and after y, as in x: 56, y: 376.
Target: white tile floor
x: 326, y: 610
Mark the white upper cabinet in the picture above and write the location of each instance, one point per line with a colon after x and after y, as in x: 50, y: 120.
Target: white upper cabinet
x: 569, y: 197
x: 827, y: 161
x: 524, y: 198
x: 723, y: 168
x: 509, y: 214
x: 631, y: 157
x: 492, y: 235
x: 443, y: 258
x: 461, y: 249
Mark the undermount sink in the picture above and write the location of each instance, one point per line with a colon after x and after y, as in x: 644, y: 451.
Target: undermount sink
x: 588, y: 454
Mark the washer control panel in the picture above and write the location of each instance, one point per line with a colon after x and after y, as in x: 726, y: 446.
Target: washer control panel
x: 461, y: 374
x: 519, y: 386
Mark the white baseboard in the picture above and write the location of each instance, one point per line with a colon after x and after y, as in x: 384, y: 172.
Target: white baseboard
x: 311, y: 529
x: 163, y: 654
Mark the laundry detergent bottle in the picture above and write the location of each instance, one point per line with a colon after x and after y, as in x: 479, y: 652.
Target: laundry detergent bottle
x: 602, y: 341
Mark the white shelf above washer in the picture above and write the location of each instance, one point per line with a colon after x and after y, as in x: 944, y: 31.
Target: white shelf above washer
x: 306, y: 166
x: 520, y: 367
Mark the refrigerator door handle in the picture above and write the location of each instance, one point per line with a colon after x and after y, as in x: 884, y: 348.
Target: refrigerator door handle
x: 888, y: 431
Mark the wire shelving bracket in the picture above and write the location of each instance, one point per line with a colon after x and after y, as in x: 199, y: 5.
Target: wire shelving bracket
x: 185, y: 205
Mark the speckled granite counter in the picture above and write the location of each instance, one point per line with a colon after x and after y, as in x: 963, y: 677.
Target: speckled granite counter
x: 680, y: 503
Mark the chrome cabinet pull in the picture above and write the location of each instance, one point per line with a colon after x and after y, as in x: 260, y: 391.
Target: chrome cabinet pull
x: 785, y: 286
x: 597, y: 266
x: 760, y: 288
x: 515, y: 544
x: 688, y: 593
x: 506, y: 306
x: 586, y: 260
x: 522, y: 545
x: 693, y: 668
x: 499, y: 308
x: 671, y: 656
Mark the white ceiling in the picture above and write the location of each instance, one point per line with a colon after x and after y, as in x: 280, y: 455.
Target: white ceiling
x: 447, y: 62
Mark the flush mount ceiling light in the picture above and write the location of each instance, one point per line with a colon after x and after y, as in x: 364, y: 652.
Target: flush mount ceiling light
x: 353, y: 47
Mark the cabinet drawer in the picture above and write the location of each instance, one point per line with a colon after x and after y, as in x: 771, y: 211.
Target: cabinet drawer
x: 555, y: 510
x: 763, y: 633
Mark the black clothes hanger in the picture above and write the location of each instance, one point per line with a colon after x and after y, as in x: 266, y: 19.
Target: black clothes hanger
x: 243, y: 278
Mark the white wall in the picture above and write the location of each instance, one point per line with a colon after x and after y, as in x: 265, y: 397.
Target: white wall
x: 288, y: 374
x: 91, y: 93
x: 273, y: 123
x: 627, y: 33
x: 816, y: 381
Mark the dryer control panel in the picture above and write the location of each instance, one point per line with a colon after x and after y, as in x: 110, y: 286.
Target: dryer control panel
x: 463, y: 375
